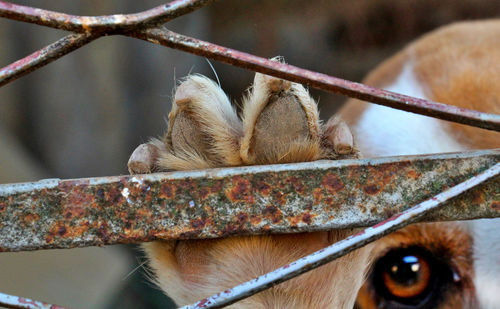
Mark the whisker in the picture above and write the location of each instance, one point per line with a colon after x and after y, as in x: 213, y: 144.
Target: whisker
x: 213, y: 69
x: 134, y: 270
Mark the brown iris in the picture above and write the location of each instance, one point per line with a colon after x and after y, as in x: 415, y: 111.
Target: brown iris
x: 407, y: 276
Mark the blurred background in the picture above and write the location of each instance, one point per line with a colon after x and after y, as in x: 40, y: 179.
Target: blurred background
x: 83, y: 115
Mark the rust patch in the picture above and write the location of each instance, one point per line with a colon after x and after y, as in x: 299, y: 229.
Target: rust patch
x: 263, y: 188
x: 61, y: 231
x: 306, y: 218
x: 74, y: 211
x: 329, y: 200
x: 102, y: 232
x: 298, y: 185
x: 273, y: 213
x: 477, y: 197
x: 167, y: 191
x: 294, y: 221
x: 231, y: 229
x: 242, y: 217
x: 241, y: 191
x: 413, y: 174
x: 31, y: 218
x: 332, y: 183
x: 198, y: 223
x: 113, y: 196
x: 279, y: 197
x: 495, y: 205
x: 317, y: 195
x: 237, y: 226
x: 203, y: 193
x: 255, y: 220
x: 371, y: 189
x: 362, y: 208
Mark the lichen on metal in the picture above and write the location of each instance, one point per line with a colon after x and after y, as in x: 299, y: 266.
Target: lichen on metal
x: 285, y: 198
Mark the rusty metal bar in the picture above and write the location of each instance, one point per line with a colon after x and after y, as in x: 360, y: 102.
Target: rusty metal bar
x: 106, y: 23
x: 133, y: 25
x: 343, y: 247
x: 285, y: 198
x: 318, y: 80
x: 17, y: 302
x: 44, y: 56
x: 100, y: 25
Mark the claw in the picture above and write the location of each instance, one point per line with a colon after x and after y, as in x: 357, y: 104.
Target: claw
x: 142, y: 160
x: 339, y: 136
x: 342, y: 139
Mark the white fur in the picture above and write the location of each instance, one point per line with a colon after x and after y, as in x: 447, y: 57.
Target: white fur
x: 487, y: 261
x: 384, y: 131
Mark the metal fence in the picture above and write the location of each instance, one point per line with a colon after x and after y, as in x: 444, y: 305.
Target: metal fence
x: 56, y: 213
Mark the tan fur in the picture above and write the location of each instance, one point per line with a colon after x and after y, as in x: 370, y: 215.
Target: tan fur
x: 198, y: 269
x: 207, y: 114
x: 451, y: 242
x: 282, y: 149
x: 457, y: 65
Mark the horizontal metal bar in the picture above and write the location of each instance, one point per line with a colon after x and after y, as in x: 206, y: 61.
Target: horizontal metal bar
x: 285, y: 198
x: 44, y: 56
x: 108, y: 23
x: 318, y: 80
x: 343, y: 247
x: 17, y: 302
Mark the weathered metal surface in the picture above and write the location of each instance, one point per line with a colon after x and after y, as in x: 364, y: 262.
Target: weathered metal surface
x: 92, y: 27
x: 44, y: 56
x: 17, y: 302
x: 139, y: 26
x: 287, y: 198
x: 343, y: 247
x: 106, y: 23
x: 171, y: 39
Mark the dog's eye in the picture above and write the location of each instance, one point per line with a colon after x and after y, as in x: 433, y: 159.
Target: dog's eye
x: 406, y: 276
x: 409, y: 278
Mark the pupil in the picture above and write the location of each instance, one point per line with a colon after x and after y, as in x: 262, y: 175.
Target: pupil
x: 405, y: 271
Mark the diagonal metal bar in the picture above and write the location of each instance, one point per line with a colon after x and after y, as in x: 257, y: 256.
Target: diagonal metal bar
x: 107, y: 23
x: 131, y: 25
x: 342, y: 247
x: 91, y: 28
x: 45, y: 56
x: 171, y: 39
x: 17, y: 302
x: 285, y: 198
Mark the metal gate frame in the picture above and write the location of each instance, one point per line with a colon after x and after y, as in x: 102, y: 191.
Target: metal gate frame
x: 283, y: 198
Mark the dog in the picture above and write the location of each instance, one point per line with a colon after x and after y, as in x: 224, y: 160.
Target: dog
x: 428, y: 265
